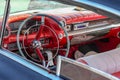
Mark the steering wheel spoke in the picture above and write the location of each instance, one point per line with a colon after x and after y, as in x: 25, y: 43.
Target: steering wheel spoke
x: 39, y: 34
x: 38, y: 52
x: 43, y: 20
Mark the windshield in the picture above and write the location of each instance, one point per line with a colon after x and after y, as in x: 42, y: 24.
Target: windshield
x: 2, y: 6
x: 25, y: 5
x: 46, y: 5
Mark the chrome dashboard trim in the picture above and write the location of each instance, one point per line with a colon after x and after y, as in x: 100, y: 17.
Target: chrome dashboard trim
x: 92, y: 29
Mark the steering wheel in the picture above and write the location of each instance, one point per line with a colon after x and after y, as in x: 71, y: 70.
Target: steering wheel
x: 36, y: 43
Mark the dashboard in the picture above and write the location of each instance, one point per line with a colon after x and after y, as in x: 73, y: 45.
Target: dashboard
x: 77, y: 26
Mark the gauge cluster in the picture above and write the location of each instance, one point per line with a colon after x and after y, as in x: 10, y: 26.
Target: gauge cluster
x: 15, y: 26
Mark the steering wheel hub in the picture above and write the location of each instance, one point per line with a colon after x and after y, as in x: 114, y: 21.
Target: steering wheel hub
x: 36, y: 44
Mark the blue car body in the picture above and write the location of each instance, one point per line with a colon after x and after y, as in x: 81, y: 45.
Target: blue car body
x: 22, y: 69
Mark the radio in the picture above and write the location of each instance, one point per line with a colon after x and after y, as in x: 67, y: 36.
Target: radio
x: 80, y: 26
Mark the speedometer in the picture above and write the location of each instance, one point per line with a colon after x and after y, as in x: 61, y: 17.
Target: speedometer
x: 14, y: 26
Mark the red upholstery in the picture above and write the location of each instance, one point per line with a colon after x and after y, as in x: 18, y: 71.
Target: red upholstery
x: 18, y: 18
x: 110, y: 60
x: 117, y: 74
x: 81, y: 16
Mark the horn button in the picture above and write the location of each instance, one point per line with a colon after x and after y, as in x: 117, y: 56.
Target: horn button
x: 37, y: 44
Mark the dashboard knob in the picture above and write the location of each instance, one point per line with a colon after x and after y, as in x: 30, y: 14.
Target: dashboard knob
x: 60, y: 36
